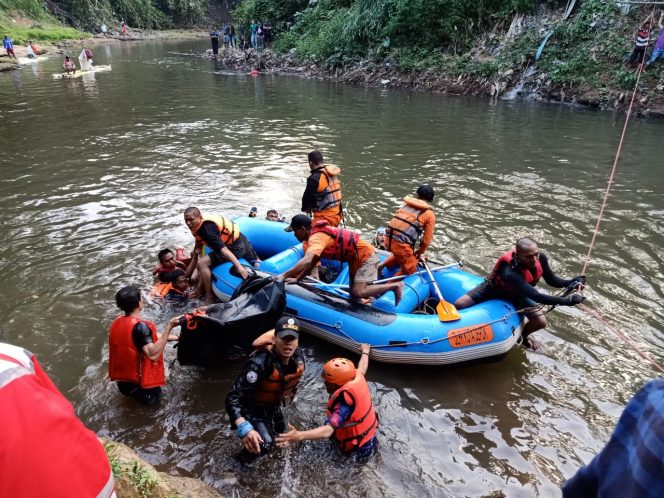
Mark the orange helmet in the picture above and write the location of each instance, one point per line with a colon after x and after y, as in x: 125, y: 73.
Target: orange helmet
x: 338, y: 371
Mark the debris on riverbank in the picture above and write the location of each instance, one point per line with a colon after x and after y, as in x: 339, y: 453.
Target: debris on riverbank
x: 135, y: 478
x: 519, y: 82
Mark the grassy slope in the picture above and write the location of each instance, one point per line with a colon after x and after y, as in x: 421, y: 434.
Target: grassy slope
x: 24, y: 20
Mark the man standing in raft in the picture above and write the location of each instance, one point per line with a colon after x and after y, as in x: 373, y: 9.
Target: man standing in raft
x: 351, y: 420
x: 322, y: 197
x: 413, y: 220
x: 268, y: 380
x: 225, y: 241
x: 136, y: 352
x: 323, y: 241
x: 514, y: 277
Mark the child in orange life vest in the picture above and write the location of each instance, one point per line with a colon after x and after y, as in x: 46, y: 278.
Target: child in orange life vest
x: 351, y: 420
x: 136, y: 352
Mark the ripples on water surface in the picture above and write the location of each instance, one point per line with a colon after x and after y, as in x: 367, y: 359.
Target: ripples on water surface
x: 96, y: 173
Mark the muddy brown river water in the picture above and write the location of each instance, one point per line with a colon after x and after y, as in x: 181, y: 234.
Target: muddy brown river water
x: 95, y: 173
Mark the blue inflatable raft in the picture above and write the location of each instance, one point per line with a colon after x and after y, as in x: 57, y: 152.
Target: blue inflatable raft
x: 404, y: 334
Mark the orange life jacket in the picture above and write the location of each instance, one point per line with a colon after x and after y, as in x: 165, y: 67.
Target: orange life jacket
x: 345, y: 242
x: 277, y: 388
x: 510, y: 258
x: 406, y: 226
x: 228, y: 230
x: 161, y: 289
x: 328, y: 194
x: 128, y: 364
x: 362, y: 423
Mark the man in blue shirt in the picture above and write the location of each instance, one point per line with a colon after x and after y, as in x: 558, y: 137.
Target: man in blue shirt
x: 631, y: 465
x: 9, y: 46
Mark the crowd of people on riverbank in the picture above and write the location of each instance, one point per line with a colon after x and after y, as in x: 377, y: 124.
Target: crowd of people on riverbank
x: 257, y: 35
x: 642, y: 39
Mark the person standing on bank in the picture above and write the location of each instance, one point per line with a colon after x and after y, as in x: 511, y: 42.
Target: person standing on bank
x: 214, y: 39
x: 514, y: 277
x: 136, y: 352
x: 413, y: 220
x: 225, y: 241
x: 351, y: 419
x: 322, y: 196
x: 268, y: 380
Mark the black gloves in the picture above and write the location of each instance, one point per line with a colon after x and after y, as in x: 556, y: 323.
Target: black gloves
x: 574, y: 300
x: 581, y: 279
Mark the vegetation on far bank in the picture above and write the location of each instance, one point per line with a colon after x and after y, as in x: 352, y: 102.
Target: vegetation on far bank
x: 89, y: 15
x: 39, y: 26
x: 463, y: 38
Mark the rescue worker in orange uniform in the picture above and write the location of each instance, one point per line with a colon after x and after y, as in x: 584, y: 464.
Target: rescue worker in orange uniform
x: 268, y: 380
x: 514, y: 277
x: 351, y: 419
x: 225, y: 241
x: 45, y: 450
x: 323, y: 241
x: 136, y: 351
x: 322, y: 196
x: 413, y: 220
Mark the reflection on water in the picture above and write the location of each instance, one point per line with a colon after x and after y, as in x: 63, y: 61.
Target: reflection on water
x: 96, y: 173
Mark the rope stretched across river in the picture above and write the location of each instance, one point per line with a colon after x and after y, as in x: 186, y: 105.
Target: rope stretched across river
x: 600, y: 216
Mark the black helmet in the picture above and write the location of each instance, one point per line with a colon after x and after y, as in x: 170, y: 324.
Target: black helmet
x: 425, y: 192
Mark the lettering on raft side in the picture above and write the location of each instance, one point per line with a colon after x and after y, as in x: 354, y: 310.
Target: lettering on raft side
x: 469, y: 336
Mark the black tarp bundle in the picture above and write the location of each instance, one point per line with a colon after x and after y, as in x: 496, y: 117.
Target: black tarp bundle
x: 227, y: 330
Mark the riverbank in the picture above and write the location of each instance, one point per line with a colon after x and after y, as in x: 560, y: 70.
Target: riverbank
x: 135, y: 478
x: 74, y: 45
x: 572, y: 53
x: 521, y: 81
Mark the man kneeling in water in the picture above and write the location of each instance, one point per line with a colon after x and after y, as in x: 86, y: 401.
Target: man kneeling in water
x: 268, y: 380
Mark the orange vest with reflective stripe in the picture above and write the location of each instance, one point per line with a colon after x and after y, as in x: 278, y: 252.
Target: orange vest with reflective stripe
x: 228, y: 230
x: 45, y: 450
x: 406, y: 226
x: 328, y: 194
x: 128, y: 364
x: 508, y: 258
x: 345, y: 242
x: 362, y: 423
x: 277, y: 388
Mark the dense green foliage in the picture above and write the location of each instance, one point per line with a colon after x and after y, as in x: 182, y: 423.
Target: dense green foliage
x: 460, y: 37
x: 335, y: 32
x: 91, y: 14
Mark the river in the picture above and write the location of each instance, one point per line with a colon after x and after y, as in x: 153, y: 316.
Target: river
x: 97, y: 171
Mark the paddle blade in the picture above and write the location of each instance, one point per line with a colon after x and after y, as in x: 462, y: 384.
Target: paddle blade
x: 447, y: 312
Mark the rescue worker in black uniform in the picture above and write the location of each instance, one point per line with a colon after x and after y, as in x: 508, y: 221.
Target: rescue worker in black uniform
x: 267, y: 381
